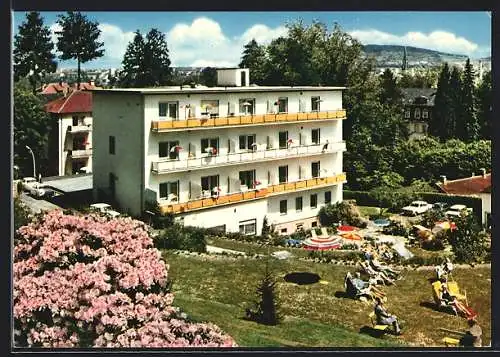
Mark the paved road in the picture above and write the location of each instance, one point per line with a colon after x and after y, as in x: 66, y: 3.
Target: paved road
x: 37, y: 205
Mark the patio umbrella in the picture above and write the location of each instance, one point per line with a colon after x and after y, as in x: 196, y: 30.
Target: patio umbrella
x: 382, y: 222
x: 350, y: 236
x: 346, y: 228
x: 246, y: 105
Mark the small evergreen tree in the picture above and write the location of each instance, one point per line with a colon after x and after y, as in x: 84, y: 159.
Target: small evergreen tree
x: 254, y: 56
x: 266, y: 229
x: 390, y: 92
x: 33, y: 57
x: 267, y: 305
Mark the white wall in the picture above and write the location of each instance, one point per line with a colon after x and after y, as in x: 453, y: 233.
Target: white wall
x: 232, y: 77
x: 66, y: 141
x: 119, y: 115
x: 485, y: 205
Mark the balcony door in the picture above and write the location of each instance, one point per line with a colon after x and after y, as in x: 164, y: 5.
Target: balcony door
x: 247, y: 178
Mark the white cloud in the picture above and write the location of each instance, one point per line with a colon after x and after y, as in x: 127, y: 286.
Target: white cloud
x: 203, y: 43
x: 436, y: 40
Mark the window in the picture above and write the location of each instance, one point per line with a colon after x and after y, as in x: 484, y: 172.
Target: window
x: 247, y: 142
x: 169, y: 189
x: 284, y: 230
x: 298, y: 204
x: 283, y: 139
x: 208, y: 183
x: 299, y: 226
x: 315, y: 169
x: 248, y: 227
x: 328, y: 197
x: 168, y: 110
x: 210, y: 107
x: 111, y: 182
x: 283, y: 174
x: 79, y: 142
x: 112, y: 145
x: 425, y: 114
x: 283, y: 206
x: 314, y: 224
x: 314, y: 200
x: 210, y: 146
x: 407, y: 113
x: 282, y: 105
x: 417, y: 113
x: 315, y: 101
x: 75, y: 121
x: 315, y: 135
x: 247, y: 106
x: 168, y: 149
x: 247, y: 178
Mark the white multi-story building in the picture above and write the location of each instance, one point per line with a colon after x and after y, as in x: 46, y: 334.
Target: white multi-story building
x: 222, y: 157
x: 70, y: 134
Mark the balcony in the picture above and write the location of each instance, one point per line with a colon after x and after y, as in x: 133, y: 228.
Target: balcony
x: 79, y: 128
x: 173, y: 165
x: 259, y: 119
x: 270, y: 191
x: 80, y: 153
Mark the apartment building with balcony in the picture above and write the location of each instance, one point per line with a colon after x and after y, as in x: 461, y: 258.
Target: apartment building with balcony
x: 70, y: 134
x: 221, y: 157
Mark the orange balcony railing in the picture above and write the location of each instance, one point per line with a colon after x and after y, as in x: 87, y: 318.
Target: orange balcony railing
x: 165, y: 125
x: 252, y: 194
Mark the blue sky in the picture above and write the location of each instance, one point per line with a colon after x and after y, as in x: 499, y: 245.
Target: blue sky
x: 217, y: 38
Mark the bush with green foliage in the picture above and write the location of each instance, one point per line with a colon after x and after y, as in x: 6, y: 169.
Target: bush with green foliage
x: 345, y: 212
x: 154, y: 216
x: 184, y: 238
x: 397, y: 229
x: 21, y: 214
x: 467, y: 241
x: 433, y: 244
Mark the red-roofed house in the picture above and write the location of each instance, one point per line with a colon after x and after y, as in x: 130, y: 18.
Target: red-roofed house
x: 64, y: 88
x: 478, y: 186
x: 70, y: 137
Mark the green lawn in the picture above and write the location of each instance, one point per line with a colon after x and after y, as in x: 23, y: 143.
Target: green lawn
x: 218, y: 290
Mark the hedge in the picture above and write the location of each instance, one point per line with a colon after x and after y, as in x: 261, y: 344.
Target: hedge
x: 364, y: 198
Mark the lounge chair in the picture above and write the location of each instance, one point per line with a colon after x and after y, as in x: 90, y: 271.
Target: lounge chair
x: 375, y: 326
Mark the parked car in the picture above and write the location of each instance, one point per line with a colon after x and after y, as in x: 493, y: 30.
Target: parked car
x: 36, y: 190
x: 440, y: 206
x: 416, y: 208
x: 28, y: 182
x: 104, y: 208
x: 456, y: 210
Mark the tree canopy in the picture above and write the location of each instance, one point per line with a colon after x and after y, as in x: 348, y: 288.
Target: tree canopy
x: 78, y: 39
x: 33, y: 56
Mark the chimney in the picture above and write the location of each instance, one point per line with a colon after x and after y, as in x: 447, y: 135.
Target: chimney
x: 483, y: 171
x: 444, y: 179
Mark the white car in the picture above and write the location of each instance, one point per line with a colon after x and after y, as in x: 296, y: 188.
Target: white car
x: 37, y: 190
x: 104, y: 208
x: 456, y: 210
x: 28, y: 182
x: 417, y: 207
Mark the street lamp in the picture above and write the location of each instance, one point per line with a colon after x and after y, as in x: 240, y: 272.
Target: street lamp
x: 33, y: 156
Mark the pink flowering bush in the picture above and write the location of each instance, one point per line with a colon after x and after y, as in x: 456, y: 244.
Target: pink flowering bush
x: 83, y: 281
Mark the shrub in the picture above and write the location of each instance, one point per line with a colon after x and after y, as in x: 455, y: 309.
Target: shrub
x: 156, y: 218
x: 21, y: 214
x: 266, y: 309
x: 397, y: 229
x: 92, y: 281
x: 433, y: 244
x: 467, y: 240
x: 184, y: 238
x: 345, y: 212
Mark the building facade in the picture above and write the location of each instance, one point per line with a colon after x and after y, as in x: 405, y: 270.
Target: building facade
x: 221, y: 157
x: 418, y: 104
x: 70, y: 135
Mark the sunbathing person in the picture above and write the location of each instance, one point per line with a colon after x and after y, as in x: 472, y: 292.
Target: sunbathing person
x: 378, y: 266
x: 377, y: 275
x: 457, y: 306
x: 356, y: 287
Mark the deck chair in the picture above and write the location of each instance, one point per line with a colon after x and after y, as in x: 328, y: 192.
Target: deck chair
x: 455, y: 291
x: 375, y: 326
x: 353, y: 291
x: 436, y: 294
x: 450, y: 342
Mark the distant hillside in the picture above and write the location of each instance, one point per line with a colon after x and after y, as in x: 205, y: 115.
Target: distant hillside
x: 392, y: 56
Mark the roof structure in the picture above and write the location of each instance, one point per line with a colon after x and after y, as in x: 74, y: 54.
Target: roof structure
x: 221, y: 89
x: 67, y: 184
x: 63, y: 87
x: 75, y: 102
x: 467, y: 186
x: 409, y: 94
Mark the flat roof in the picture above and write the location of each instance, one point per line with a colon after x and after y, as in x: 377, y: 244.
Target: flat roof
x: 228, y: 89
x: 67, y: 184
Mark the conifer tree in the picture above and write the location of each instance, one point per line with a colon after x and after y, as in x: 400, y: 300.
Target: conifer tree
x: 254, y: 57
x: 442, y: 104
x: 484, y: 103
x: 454, y: 126
x: 78, y: 39
x: 133, y: 74
x: 470, y: 120
x: 33, y: 57
x: 390, y: 92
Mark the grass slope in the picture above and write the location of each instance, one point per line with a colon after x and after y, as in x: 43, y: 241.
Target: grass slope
x: 316, y: 315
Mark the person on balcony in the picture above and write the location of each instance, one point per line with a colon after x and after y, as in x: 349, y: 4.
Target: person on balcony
x: 325, y: 147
